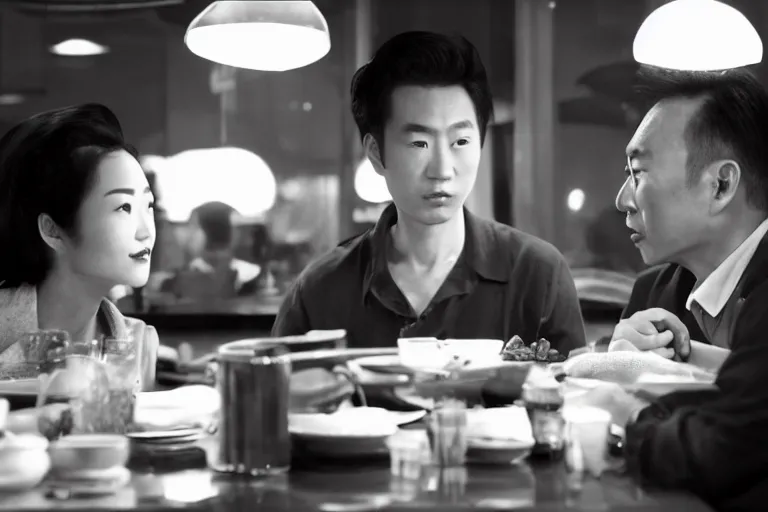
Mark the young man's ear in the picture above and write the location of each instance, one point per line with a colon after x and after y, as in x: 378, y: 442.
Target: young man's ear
x: 373, y: 153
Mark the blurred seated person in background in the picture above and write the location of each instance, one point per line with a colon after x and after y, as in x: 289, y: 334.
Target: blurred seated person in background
x: 696, y: 201
x: 212, y: 244
x: 430, y: 267
x: 76, y: 220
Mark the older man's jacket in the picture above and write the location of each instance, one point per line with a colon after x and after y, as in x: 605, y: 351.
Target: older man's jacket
x: 715, y: 443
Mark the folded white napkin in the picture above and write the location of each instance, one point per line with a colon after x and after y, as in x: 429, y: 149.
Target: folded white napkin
x: 626, y: 366
x: 188, y: 406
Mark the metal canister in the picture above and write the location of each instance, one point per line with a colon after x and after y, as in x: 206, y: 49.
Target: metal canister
x: 254, y: 382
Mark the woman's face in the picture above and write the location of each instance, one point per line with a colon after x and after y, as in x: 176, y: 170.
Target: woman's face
x: 116, y: 225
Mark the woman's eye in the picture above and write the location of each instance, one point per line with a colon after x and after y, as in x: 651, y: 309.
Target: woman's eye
x: 126, y: 208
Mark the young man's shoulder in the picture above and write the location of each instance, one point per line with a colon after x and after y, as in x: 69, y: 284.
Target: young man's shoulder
x: 519, y: 246
x: 343, y: 262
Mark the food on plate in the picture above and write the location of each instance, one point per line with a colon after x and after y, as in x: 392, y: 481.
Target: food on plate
x: 539, y: 351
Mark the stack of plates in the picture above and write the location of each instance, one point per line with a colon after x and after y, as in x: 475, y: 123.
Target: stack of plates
x: 167, y: 440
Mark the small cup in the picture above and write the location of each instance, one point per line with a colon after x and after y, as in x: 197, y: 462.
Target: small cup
x: 447, y: 427
x: 408, y: 453
x: 588, y: 428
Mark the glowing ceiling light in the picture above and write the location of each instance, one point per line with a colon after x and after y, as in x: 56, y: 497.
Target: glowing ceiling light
x: 369, y: 185
x: 11, y: 99
x: 78, y: 48
x: 233, y: 176
x: 266, y: 36
x: 576, y: 200
x: 697, y: 35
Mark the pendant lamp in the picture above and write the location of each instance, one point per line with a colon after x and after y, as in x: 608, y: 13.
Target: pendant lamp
x: 260, y: 35
x: 697, y: 35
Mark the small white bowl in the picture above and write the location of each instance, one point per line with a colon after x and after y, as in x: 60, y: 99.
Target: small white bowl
x: 89, y: 452
x: 24, y: 461
x: 434, y: 354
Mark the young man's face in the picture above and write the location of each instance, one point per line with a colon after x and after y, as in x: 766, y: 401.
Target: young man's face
x: 431, y: 151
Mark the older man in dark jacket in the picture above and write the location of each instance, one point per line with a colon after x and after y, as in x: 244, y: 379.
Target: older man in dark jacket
x: 696, y: 200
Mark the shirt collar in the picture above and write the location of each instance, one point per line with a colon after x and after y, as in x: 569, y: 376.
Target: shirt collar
x: 483, y: 252
x: 713, y: 293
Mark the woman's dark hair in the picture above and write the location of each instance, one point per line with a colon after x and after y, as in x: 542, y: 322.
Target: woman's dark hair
x: 731, y: 123
x: 48, y: 165
x: 423, y: 59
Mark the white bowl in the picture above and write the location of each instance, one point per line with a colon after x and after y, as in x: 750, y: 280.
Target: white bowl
x: 24, y: 461
x: 434, y: 354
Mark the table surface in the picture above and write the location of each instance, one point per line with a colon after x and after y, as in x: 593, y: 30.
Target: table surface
x: 183, y: 482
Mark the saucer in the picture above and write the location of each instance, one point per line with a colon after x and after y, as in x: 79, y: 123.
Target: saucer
x: 91, y: 483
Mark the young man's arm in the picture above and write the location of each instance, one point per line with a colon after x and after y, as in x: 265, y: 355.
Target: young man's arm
x: 292, y: 318
x: 562, y: 323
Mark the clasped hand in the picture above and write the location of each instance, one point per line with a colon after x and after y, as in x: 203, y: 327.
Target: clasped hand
x: 656, y: 330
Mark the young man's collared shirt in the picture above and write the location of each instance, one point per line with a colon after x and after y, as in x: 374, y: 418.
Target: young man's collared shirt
x: 505, y: 282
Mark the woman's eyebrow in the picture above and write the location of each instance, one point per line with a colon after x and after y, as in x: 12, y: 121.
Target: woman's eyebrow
x: 128, y: 191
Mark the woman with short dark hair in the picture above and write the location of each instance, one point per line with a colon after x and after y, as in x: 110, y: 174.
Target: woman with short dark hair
x: 76, y: 219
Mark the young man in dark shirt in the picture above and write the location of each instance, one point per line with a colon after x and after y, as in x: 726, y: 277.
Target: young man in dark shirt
x: 430, y: 267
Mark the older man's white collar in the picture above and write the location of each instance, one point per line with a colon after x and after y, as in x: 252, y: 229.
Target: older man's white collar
x: 717, y: 288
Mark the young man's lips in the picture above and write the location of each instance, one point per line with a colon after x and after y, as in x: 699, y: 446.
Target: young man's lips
x: 636, y: 237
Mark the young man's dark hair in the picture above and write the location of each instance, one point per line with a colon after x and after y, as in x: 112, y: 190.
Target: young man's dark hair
x: 732, y: 122
x: 423, y: 59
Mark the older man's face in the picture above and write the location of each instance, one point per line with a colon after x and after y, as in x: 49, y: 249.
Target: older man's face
x: 668, y: 218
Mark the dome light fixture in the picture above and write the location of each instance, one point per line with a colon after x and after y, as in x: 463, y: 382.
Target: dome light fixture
x: 697, y: 35
x: 260, y: 35
x: 78, y: 48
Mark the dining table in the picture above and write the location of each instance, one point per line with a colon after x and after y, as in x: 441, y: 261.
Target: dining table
x: 182, y: 480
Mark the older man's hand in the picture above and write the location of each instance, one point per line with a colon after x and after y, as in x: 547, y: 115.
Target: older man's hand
x: 655, y: 330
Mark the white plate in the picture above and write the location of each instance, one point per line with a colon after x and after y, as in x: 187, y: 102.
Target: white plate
x: 165, y: 435
x: 406, y: 417
x: 107, y: 482
x: 19, y: 387
x: 355, y: 422
x: 383, y: 364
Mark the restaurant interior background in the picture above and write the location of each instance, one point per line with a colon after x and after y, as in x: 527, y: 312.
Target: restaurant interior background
x: 561, y: 73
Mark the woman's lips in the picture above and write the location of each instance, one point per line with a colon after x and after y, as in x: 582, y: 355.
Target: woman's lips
x: 141, y: 255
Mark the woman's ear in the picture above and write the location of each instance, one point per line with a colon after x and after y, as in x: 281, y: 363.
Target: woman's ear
x: 50, y: 232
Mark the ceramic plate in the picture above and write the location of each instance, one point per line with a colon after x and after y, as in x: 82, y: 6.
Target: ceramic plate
x: 497, y: 451
x: 384, y: 364
x: 19, y: 387
x: 165, y: 435
x: 107, y: 482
